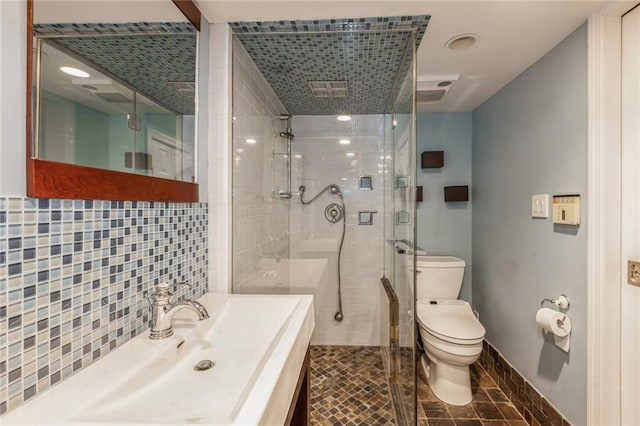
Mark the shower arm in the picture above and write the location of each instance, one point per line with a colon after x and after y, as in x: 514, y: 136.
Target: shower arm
x: 333, y: 188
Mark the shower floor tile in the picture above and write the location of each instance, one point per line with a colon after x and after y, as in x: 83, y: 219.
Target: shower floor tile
x: 349, y: 387
x: 490, y: 406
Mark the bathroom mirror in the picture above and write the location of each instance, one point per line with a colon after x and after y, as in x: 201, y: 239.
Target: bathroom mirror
x: 112, y: 100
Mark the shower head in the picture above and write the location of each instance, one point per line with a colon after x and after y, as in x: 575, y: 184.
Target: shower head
x: 287, y: 135
x: 285, y: 116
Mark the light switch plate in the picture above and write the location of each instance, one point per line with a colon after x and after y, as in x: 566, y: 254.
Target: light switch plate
x: 540, y: 205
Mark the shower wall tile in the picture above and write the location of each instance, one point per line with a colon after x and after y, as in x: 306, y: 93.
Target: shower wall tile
x: 260, y: 218
x: 74, y: 275
x: 320, y: 160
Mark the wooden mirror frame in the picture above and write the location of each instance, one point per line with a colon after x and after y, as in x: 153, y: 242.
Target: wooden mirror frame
x: 49, y: 179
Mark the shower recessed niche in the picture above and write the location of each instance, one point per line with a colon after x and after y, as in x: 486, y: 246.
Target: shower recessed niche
x: 365, y: 183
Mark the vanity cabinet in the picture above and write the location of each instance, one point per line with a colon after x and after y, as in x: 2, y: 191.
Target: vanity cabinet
x: 299, y: 410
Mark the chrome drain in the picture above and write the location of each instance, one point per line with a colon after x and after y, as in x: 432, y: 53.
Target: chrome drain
x: 204, y: 365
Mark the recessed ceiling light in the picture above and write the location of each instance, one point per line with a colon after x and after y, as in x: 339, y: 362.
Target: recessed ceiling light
x: 297, y: 155
x: 444, y: 84
x: 350, y: 154
x: 251, y: 141
x: 461, y: 42
x: 343, y: 117
x: 74, y: 72
x: 345, y: 141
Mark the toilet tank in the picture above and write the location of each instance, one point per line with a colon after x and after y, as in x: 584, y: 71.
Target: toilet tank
x: 438, y: 277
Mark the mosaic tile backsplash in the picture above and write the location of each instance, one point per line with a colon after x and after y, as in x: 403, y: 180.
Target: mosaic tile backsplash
x: 74, y: 276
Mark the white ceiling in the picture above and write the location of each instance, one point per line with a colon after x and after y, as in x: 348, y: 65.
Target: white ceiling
x: 513, y: 34
x: 106, y: 11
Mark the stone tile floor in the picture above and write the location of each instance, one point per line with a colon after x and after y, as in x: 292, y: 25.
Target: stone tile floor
x: 490, y: 406
x: 349, y: 387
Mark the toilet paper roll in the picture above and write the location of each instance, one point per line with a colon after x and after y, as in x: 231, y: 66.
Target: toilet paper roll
x: 553, y: 322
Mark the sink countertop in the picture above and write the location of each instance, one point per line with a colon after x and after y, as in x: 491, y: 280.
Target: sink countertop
x: 258, y: 343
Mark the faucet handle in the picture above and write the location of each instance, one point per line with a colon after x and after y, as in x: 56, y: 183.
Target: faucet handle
x: 162, y: 290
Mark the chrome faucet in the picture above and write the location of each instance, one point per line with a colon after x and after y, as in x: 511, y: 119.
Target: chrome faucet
x: 163, y: 308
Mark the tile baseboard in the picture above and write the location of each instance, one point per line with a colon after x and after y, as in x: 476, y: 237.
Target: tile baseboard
x: 535, y: 409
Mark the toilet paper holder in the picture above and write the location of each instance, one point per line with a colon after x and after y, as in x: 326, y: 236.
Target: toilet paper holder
x: 562, y: 302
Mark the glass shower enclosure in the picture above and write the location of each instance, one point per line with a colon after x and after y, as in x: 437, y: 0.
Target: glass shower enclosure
x: 286, y: 246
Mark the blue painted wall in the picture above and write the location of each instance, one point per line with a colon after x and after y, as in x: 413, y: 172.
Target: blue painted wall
x: 445, y: 228
x: 531, y: 137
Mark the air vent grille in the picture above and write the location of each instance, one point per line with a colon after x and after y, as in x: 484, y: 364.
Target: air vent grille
x: 114, y: 97
x: 329, y: 89
x: 183, y: 86
x: 429, y: 95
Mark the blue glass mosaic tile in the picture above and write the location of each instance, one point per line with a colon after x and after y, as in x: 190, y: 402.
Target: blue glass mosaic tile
x: 134, y: 58
x: 69, y: 29
x: 70, y: 295
x: 369, y: 53
x: 418, y: 22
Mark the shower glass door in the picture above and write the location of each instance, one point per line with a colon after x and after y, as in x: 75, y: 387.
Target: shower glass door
x: 400, y: 236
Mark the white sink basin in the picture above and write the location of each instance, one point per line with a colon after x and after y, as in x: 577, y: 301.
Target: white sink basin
x: 257, y: 343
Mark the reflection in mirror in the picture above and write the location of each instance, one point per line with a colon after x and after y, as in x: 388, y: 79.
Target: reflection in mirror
x: 117, y: 96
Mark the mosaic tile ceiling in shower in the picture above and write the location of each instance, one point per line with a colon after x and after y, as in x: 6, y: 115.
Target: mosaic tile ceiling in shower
x: 370, y: 53
x: 133, y: 52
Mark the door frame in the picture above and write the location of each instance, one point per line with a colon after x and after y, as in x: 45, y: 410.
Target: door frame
x: 156, y: 136
x: 603, y: 213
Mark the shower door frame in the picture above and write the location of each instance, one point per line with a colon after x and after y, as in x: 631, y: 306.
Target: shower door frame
x: 395, y: 365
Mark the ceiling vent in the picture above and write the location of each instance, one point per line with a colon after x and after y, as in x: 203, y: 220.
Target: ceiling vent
x: 430, y: 95
x: 113, y: 97
x: 329, y: 89
x: 184, y: 87
x: 433, y: 88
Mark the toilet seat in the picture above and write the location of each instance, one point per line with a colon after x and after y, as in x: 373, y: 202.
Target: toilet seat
x: 450, y: 320
x: 439, y: 262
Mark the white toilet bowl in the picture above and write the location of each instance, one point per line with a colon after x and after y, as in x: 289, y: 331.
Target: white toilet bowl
x: 452, y: 337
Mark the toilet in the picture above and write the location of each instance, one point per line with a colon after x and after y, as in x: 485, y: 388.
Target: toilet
x: 450, y: 332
